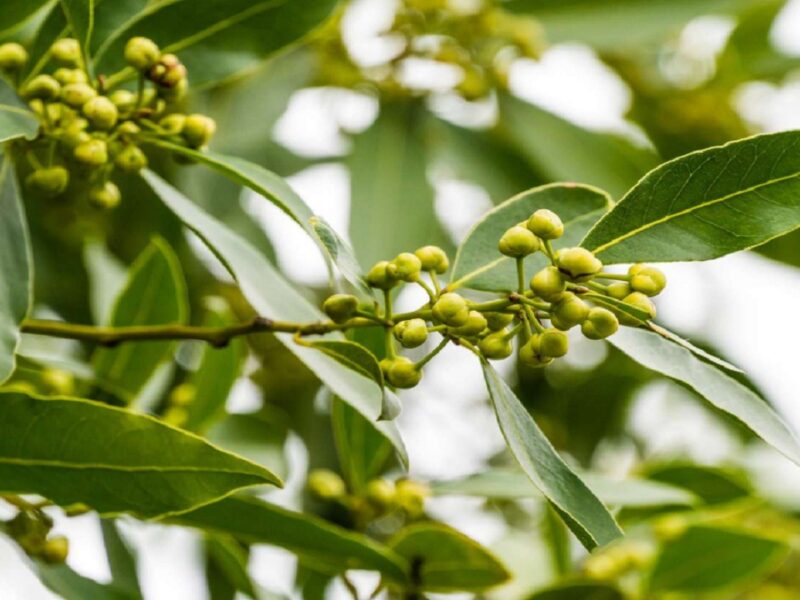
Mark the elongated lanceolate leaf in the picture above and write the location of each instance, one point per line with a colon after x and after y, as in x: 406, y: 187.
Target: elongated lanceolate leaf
x: 16, y: 12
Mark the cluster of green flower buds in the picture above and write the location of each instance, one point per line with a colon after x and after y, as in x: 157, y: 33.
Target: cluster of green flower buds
x: 180, y: 398
x: 31, y: 530
x: 90, y: 128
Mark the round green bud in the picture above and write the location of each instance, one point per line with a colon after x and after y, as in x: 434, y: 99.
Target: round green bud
x: 92, y: 153
x: 175, y: 416
x: 65, y: 76
x: 12, y: 57
x: 603, y: 566
x: 517, y: 242
x: 640, y: 301
x: 326, y: 484
x: 74, y: 134
x: 647, y: 280
x: 49, y: 182
x: 101, y: 112
x: 553, y: 343
x: 578, y: 263
x: 141, y: 53
x: 403, y: 373
x: 475, y: 324
x: 568, y: 312
x: 173, y: 124
x: 618, y: 289
x: 55, y: 550
x: 106, y: 196
x: 670, y: 527
x: 131, y: 159
x: 380, y: 277
x: 176, y: 92
x: 168, y: 71
x: 124, y: 100
x: 405, y: 267
x: 410, y: 497
x: 496, y: 321
x: 433, y: 258
x: 58, y: 381
x: 451, y: 309
x: 67, y: 51
x: 198, y: 130
x: 599, y: 324
x: 380, y: 492
x: 548, y: 284
x: 43, y: 87
x: 411, y: 333
x: 183, y: 394
x: 128, y: 128
x: 340, y: 307
x: 495, y: 346
x: 77, y: 94
x: 546, y: 224
x: 530, y: 354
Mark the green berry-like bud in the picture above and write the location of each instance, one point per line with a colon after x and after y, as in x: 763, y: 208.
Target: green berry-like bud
x: 647, y: 280
x: 105, y: 197
x: 124, y: 100
x: 183, y: 394
x: 93, y: 153
x: 475, y: 324
x: 380, y: 492
x: 618, y: 289
x: 546, y: 224
x: 77, y: 94
x: 553, y: 343
x: 168, y: 71
x: 530, y: 354
x: 101, y: 112
x: 410, y: 497
x: 128, y: 128
x: 12, y: 57
x: 173, y: 124
x: 578, y: 263
x: 496, y: 321
x: 175, y: 416
x: 49, y: 182
x: 141, y: 53
x: 403, y: 373
x: 340, y: 307
x: 74, y: 134
x: 380, y: 277
x: 43, y: 87
x: 67, y: 51
x: 600, y: 323
x: 326, y: 484
x: 569, y: 311
x: 548, y: 284
x: 495, y: 346
x: 58, y: 381
x: 451, y: 309
x: 65, y: 76
x: 131, y: 159
x: 55, y: 550
x: 198, y: 130
x: 411, y: 333
x: 517, y: 242
x: 640, y: 301
x: 433, y: 258
x: 176, y: 92
x: 405, y: 267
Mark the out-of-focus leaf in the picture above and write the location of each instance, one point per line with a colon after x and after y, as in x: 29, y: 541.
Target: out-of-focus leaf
x: 445, y: 560
x: 585, y: 515
x: 479, y: 264
x: 78, y: 451
x: 15, y: 266
x: 706, y: 204
x: 16, y: 12
x: 107, y: 275
x: 231, y: 561
x: 254, y: 437
x: 654, y: 352
x: 155, y: 294
x: 69, y: 585
x: 110, y: 15
x: 16, y: 122
x: 674, y: 337
x: 323, y: 546
x: 121, y: 560
x: 563, y: 151
x: 80, y: 18
x: 579, y: 590
x: 706, y: 559
x: 714, y: 485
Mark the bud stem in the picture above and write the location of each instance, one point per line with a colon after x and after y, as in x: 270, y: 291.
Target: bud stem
x: 521, y: 275
x: 614, y: 276
x: 426, y: 359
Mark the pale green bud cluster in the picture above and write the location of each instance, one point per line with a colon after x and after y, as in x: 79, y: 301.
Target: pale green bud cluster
x: 30, y: 528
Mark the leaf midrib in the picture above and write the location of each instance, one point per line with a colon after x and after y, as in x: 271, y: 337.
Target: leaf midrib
x: 27, y: 462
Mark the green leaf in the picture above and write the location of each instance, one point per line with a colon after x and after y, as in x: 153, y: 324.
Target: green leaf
x: 16, y: 120
x: 445, y: 560
x: 714, y: 485
x: 272, y: 296
x: 107, y: 276
x: 340, y: 253
x: 231, y: 561
x: 80, y: 17
x: 579, y: 590
x: 391, y: 201
x: 74, y: 450
x: 255, y: 437
x: 673, y: 337
x: 706, y: 204
x: 618, y: 306
x: 479, y: 264
x: 563, y: 151
x: 16, y: 12
x: 69, y: 585
x: 324, y: 546
x: 217, y: 38
x: 706, y: 559
x: 724, y: 392
x: 121, y: 560
x: 584, y: 514
x: 16, y: 265
x: 352, y: 355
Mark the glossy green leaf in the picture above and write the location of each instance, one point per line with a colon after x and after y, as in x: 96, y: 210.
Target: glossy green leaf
x: 445, y: 560
x: 16, y: 120
x: 217, y: 38
x: 80, y: 18
x: 562, y: 151
x: 339, y: 252
x: 121, y: 560
x: 352, y: 355
x: 479, y: 264
x: 16, y: 12
x: 585, y: 515
x: 675, y: 338
x: 230, y: 559
x: 111, y: 15
x: 272, y: 296
x: 725, y: 393
x: 107, y: 276
x: 255, y: 437
x: 52, y: 28
x: 706, y: 559
x: 69, y: 585
x: 714, y: 485
x: 73, y: 450
x: 16, y: 265
x: 706, y: 204
x: 155, y: 294
x: 326, y: 547
x: 579, y: 590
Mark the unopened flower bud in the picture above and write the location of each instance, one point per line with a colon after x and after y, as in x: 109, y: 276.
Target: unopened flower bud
x: 530, y: 354
x: 58, y: 381
x: 43, y: 87
x: 410, y: 497
x: 600, y: 324
x: 172, y: 124
x: 578, y: 263
x: 124, y: 100
x: 55, y: 550
x: 92, y: 153
x: 495, y: 346
x: 517, y: 242
x: 496, y: 321
x: 405, y: 267
x: 568, y: 312
x: 411, y: 333
x: 168, y: 71
x: 548, y: 284
x: 553, y: 343
x: 618, y: 289
x: 340, y: 307
x: 50, y: 181
x: 433, y: 258
x: 380, y: 492
x: 101, y: 112
x: 647, y: 280
x: 640, y: 301
x: 77, y: 94
x: 131, y: 159
x: 326, y: 484
x: 198, y: 130
x: 546, y: 224
x: 451, y: 309
x: 379, y: 276
x: 128, y: 128
x: 12, y: 57
x: 65, y: 76
x: 141, y: 53
x: 403, y: 373
x: 183, y: 394
x: 106, y: 196
x: 67, y: 51
x: 475, y: 324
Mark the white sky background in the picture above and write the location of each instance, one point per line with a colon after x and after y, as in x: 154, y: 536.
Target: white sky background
x: 745, y: 304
